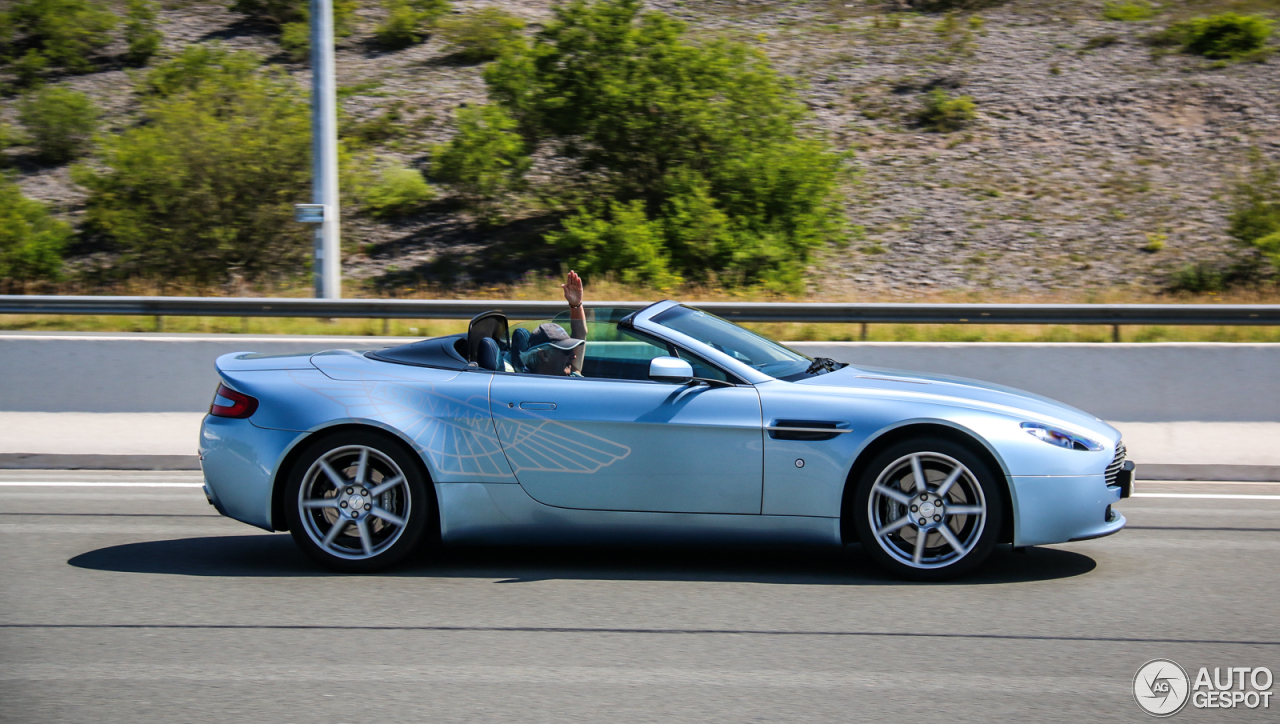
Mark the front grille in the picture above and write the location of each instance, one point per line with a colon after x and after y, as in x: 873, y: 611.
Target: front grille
x: 1118, y: 462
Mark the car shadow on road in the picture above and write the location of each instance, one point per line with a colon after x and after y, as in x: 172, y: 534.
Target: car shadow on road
x: 276, y: 556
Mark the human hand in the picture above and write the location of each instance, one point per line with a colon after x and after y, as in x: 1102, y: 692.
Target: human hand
x: 573, y: 289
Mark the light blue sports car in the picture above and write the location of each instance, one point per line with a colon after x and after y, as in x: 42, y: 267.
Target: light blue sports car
x: 667, y: 424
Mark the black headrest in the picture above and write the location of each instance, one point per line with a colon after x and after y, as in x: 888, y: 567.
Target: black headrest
x: 490, y: 325
x: 489, y: 357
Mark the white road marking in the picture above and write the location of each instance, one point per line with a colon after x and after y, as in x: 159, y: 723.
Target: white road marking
x: 48, y: 483
x: 1209, y: 496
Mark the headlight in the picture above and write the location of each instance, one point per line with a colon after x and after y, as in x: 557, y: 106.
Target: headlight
x: 1061, y: 438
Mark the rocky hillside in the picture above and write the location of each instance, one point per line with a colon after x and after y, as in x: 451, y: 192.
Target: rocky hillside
x: 1092, y: 163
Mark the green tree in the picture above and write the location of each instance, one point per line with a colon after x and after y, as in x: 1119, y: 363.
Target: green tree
x: 31, y: 240
x: 140, y: 31
x: 675, y: 125
x: 204, y: 188
x: 480, y: 35
x: 409, y: 21
x: 59, y: 121
x: 486, y: 159
x: 64, y: 33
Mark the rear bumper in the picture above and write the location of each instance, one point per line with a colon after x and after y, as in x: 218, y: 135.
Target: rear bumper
x: 239, y: 461
x: 1062, y: 509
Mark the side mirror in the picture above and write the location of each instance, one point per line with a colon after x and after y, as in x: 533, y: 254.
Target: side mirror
x: 670, y: 369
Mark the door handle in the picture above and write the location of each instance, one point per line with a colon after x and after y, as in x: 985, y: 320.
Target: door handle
x: 537, y: 405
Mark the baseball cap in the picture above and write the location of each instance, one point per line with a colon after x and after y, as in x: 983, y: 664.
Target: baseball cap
x: 554, y: 335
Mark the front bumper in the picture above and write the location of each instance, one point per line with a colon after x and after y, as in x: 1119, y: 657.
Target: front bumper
x: 1053, y: 509
x: 239, y: 461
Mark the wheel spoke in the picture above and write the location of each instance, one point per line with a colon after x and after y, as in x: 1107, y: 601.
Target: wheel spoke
x: 365, y: 541
x: 951, y: 480
x: 895, y: 525
x: 388, y: 516
x: 385, y: 485
x: 917, y: 471
x: 889, y: 492
x: 918, y: 555
x: 337, y: 480
x: 965, y: 510
x: 320, y: 503
x: 334, y: 530
x: 362, y: 466
x: 951, y: 539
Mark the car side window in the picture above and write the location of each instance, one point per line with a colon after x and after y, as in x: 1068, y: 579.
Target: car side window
x: 625, y: 355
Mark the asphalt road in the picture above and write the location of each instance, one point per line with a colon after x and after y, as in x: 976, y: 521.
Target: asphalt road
x: 140, y: 604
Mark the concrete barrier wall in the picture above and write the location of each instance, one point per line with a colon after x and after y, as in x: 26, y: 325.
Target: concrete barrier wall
x: 1127, y: 382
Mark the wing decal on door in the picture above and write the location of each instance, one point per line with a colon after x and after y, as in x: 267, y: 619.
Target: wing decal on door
x: 543, y: 445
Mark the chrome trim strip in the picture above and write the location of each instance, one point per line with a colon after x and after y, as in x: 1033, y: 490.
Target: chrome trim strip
x: 808, y: 429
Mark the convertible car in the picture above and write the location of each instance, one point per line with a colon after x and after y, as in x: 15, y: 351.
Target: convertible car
x: 679, y: 427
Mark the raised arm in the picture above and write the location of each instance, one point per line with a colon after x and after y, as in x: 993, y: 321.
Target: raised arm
x: 577, y: 315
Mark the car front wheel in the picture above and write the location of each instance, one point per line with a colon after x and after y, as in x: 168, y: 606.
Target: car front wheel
x: 928, y: 509
x: 356, y: 502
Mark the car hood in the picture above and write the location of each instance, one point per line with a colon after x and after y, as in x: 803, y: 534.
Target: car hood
x: 962, y: 392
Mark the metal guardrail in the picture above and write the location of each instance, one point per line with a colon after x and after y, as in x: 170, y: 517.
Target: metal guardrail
x: 1104, y: 314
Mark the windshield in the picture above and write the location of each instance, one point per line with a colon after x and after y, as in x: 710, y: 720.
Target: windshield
x: 747, y: 347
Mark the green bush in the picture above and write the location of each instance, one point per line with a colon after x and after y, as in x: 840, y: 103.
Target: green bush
x: 31, y: 241
x: 480, y: 35
x: 408, y: 21
x: 1225, y: 36
x: 649, y: 117
x: 486, y: 159
x: 945, y: 114
x: 60, y: 122
x: 293, y: 18
x: 203, y: 189
x: 398, y: 191
x: 140, y: 32
x: 1129, y: 10
x: 64, y: 33
x: 1255, y: 219
x: 621, y: 241
x: 200, y: 66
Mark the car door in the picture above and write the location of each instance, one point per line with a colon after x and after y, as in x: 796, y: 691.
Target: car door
x: 613, y: 440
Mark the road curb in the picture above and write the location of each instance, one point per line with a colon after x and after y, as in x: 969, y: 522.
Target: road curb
x: 34, y: 461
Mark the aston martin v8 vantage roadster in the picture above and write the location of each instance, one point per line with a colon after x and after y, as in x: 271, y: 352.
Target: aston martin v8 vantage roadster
x: 674, y: 426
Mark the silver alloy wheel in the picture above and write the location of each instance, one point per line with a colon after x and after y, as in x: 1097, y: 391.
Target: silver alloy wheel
x: 929, y: 525
x: 354, y: 502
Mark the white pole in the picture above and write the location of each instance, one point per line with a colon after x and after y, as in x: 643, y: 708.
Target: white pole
x: 324, y: 151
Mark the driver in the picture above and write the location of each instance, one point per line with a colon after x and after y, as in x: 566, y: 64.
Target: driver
x: 551, y: 351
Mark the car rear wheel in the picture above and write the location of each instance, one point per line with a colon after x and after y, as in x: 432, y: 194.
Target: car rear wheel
x: 928, y: 509
x: 357, y: 502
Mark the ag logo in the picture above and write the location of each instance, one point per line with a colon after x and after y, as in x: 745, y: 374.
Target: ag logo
x: 1160, y: 687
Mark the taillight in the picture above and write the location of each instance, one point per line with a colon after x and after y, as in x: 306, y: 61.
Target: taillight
x: 229, y: 403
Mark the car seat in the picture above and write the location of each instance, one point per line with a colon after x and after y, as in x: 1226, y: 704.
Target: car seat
x: 489, y: 356
x: 519, y: 345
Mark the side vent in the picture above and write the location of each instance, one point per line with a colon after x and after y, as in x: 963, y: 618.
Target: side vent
x: 807, y: 430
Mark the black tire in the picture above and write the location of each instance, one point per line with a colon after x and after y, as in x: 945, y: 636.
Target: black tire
x: 377, y: 529
x: 884, y: 508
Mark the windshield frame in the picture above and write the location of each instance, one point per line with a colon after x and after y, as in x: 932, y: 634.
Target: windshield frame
x: 644, y: 320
